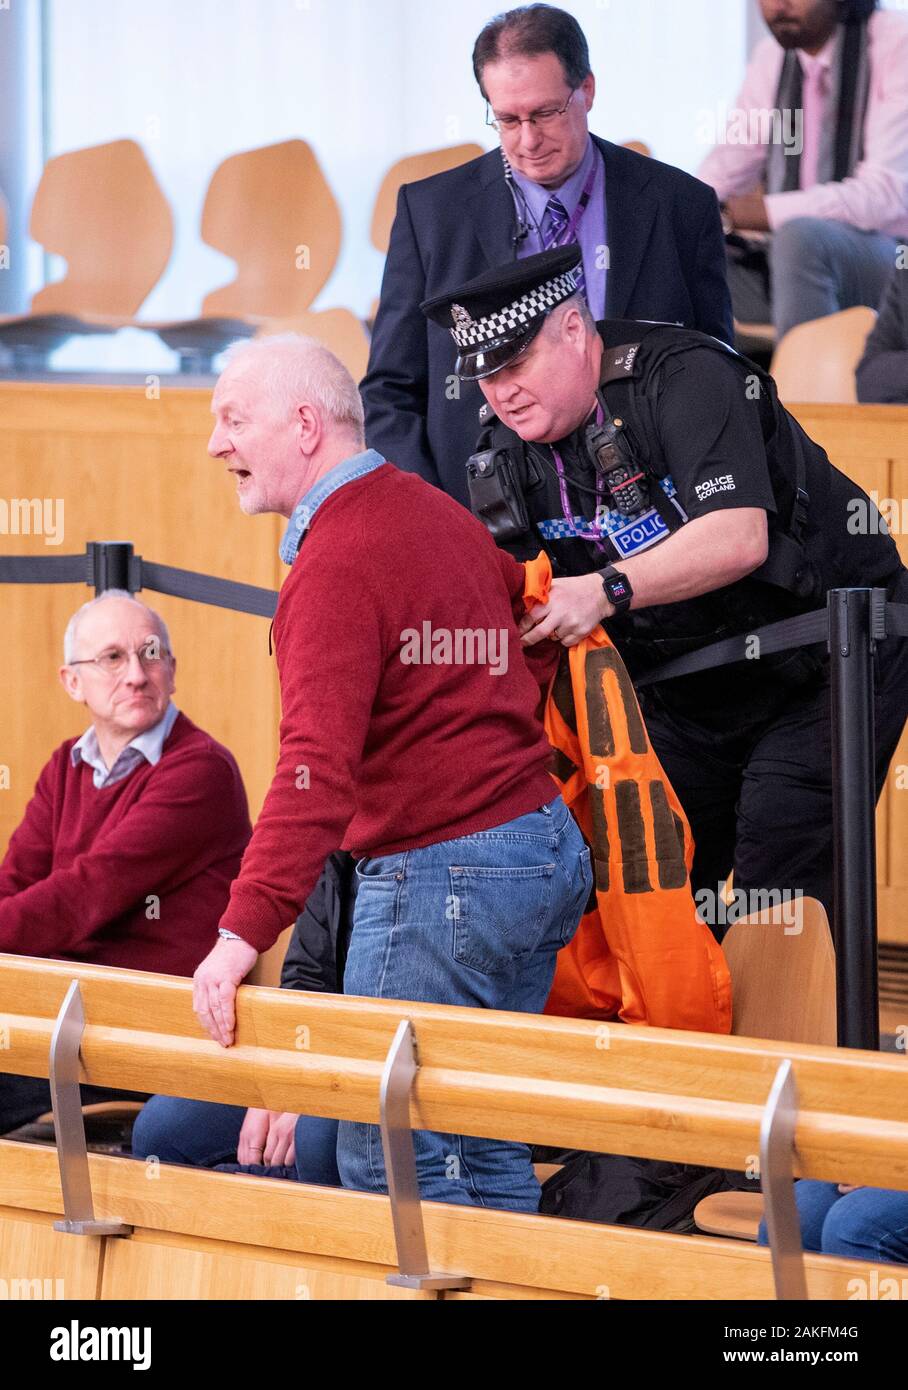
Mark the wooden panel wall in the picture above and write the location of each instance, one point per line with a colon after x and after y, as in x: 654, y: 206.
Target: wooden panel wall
x: 199, y: 1234
x: 131, y: 468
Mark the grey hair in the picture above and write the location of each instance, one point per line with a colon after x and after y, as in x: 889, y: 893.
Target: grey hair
x: 301, y: 370
x: 71, y: 635
x: 576, y: 301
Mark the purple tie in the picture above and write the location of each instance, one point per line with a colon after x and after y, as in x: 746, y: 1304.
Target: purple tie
x: 554, y: 229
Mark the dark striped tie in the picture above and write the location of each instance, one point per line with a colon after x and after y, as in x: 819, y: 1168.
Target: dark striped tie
x: 554, y: 226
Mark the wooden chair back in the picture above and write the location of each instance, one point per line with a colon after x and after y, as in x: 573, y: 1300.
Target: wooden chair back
x: 102, y: 210
x: 782, y: 965
x: 273, y: 212
x: 816, y: 361
x: 409, y: 170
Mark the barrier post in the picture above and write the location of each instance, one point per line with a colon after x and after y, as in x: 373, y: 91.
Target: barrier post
x: 853, y: 625
x: 111, y: 566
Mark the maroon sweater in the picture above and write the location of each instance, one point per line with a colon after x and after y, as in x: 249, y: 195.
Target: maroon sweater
x: 379, y: 755
x: 79, y: 869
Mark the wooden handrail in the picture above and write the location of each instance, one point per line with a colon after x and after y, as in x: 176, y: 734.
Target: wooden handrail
x: 681, y: 1096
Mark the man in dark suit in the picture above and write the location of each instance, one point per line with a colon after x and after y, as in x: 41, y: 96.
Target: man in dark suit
x: 882, y: 373
x: 650, y: 235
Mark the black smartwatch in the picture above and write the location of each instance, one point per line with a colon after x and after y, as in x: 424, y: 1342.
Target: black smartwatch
x: 617, y: 588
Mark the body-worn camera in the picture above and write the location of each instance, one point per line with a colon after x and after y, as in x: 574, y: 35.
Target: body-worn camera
x: 627, y: 484
x: 496, y: 494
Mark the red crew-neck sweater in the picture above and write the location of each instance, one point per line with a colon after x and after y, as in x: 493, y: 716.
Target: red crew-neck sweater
x: 378, y: 755
x: 136, y: 874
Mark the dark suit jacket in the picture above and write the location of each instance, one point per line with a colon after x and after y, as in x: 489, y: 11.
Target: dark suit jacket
x: 882, y: 373
x: 666, y: 261
x: 317, y: 950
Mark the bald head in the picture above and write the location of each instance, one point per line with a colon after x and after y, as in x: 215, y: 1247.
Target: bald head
x: 94, y: 619
x: 118, y: 662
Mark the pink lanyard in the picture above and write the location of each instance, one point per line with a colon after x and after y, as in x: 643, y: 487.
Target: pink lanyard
x: 594, y: 533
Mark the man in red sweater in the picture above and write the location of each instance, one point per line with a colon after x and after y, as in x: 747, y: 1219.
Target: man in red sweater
x: 409, y: 736
x: 135, y: 830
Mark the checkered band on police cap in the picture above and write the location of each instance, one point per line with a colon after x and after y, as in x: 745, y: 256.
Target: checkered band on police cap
x: 469, y: 333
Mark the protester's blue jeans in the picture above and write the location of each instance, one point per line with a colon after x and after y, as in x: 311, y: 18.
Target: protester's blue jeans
x: 870, y: 1223
x: 205, y: 1135
x: 475, y: 921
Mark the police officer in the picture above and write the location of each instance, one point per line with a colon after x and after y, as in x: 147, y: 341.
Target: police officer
x: 680, y: 504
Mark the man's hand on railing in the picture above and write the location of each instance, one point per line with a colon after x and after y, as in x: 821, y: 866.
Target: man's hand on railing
x: 215, y: 983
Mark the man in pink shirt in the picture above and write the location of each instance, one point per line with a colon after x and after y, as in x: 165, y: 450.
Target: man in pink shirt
x: 815, y: 152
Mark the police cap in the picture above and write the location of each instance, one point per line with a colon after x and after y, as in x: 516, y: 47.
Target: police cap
x: 494, y: 318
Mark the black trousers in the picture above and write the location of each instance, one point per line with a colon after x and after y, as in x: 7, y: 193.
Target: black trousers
x: 24, y: 1098
x: 759, y: 798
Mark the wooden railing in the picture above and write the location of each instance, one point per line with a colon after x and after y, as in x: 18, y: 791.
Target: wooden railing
x: 695, y: 1098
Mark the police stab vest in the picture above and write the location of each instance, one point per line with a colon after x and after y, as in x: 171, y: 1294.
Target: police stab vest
x: 504, y: 468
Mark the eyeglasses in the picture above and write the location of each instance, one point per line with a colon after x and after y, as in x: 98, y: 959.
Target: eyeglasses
x: 114, y: 661
x: 544, y: 119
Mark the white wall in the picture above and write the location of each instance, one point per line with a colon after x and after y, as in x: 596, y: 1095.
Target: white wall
x: 365, y: 81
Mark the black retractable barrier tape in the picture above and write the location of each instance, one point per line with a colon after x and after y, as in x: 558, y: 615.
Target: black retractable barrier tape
x: 204, y: 588
x: 44, y: 569
x: 851, y: 623
x: 112, y: 565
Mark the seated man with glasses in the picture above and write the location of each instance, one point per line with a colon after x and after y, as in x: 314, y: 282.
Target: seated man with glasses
x: 129, y: 844
x: 650, y: 236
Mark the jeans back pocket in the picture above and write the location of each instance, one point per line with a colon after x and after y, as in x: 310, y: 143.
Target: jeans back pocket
x: 499, y: 914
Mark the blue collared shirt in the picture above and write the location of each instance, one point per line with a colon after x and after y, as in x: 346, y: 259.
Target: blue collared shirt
x: 301, y: 519
x: 592, y: 232
x: 149, y: 746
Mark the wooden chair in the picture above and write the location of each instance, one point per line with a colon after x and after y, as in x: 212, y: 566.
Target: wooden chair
x: 108, y: 1126
x: 688, y: 1097
x: 273, y: 212
x: 816, y: 361
x: 409, y: 170
x: 337, y: 329
x: 782, y: 966
x: 639, y: 147
x: 103, y: 1109
x: 103, y: 210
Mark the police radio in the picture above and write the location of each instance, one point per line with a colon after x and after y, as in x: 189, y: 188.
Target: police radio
x: 628, y: 485
x: 496, y: 494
